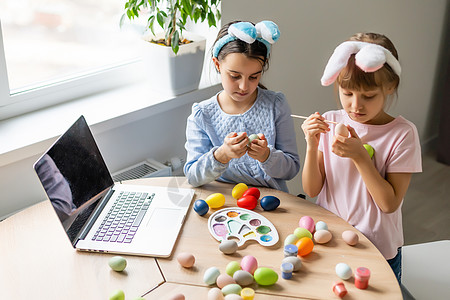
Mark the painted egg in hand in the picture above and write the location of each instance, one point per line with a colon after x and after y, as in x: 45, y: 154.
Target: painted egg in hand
x: 269, y: 202
x: 341, y: 130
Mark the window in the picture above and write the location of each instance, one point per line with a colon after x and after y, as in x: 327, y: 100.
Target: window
x: 55, y: 50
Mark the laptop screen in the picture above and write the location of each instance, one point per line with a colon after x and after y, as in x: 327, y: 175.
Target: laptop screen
x: 74, y: 176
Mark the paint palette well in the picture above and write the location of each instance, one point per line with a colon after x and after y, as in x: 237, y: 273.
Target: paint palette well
x: 242, y: 224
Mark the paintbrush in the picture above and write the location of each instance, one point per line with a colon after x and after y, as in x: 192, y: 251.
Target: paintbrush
x: 303, y: 117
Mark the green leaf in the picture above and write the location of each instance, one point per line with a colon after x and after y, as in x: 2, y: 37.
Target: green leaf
x: 130, y: 14
x: 160, y: 19
x: 151, y: 22
x: 211, y: 19
x: 175, y: 42
x: 197, y: 14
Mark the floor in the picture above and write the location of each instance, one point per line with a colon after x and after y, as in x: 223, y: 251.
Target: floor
x: 426, y: 208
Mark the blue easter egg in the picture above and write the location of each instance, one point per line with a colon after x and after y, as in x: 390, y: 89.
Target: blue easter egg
x: 269, y: 202
x: 201, y: 207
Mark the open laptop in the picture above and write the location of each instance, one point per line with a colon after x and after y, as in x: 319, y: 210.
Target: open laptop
x: 101, y: 216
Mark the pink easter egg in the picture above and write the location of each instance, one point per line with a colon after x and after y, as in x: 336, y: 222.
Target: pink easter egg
x: 308, y: 223
x: 249, y: 264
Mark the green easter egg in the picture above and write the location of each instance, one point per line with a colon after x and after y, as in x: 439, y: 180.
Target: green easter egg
x: 251, y: 138
x: 232, y: 288
x: 265, y: 276
x: 302, y: 232
x: 117, y: 263
x: 291, y: 239
x: 232, y: 267
x: 369, y: 149
x: 117, y: 295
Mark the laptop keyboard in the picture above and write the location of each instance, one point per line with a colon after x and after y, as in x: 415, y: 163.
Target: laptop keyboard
x: 123, y: 219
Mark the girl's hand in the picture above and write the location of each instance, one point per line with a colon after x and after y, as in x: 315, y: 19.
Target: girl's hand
x: 351, y: 147
x: 313, y: 127
x: 258, y: 148
x: 234, y: 146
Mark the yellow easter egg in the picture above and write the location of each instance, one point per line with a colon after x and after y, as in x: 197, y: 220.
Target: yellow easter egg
x: 215, y: 200
x: 239, y: 190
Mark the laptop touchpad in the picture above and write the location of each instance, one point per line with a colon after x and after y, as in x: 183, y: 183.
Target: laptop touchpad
x: 164, y: 224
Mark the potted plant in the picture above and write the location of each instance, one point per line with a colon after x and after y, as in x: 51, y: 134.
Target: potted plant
x: 176, y: 60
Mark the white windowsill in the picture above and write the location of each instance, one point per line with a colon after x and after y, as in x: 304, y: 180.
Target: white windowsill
x: 30, y: 134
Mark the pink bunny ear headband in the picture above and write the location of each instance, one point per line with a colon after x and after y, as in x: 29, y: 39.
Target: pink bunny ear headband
x: 369, y: 58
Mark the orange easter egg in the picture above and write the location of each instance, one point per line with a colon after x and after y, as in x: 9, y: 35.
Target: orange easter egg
x: 305, y: 245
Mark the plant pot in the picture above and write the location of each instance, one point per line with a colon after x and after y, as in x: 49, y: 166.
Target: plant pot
x: 171, y: 73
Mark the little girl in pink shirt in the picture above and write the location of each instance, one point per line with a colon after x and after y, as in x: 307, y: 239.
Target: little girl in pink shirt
x: 365, y: 190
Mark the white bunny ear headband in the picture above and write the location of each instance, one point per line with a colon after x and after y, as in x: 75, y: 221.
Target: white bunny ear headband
x: 265, y: 31
x: 369, y: 58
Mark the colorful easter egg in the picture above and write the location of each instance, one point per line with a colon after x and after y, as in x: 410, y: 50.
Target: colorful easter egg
x: 305, y: 245
x: 249, y: 264
x: 300, y: 232
x: 350, y: 237
x: 341, y: 130
x: 369, y: 149
x: 265, y: 276
x: 322, y: 236
x: 308, y: 223
x: 228, y: 246
x: 239, y: 190
x: 210, y: 275
x: 232, y: 288
x: 117, y: 295
x: 215, y: 200
x: 232, y: 267
x: 247, y: 202
x: 253, y: 192
x: 321, y: 225
x: 117, y: 263
x: 201, y: 207
x: 177, y: 297
x: 291, y: 239
x: 185, y: 259
x: 224, y: 279
x: 215, y: 294
x: 343, y: 271
x: 243, y: 278
x: 252, y: 137
x: 269, y: 203
x: 295, y: 261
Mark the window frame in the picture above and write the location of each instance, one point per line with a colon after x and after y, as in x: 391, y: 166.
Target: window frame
x: 21, y: 101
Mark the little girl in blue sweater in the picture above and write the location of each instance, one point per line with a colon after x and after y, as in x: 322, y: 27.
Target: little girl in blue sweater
x: 218, y: 147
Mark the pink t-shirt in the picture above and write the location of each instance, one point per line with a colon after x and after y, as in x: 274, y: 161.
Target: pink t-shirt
x: 397, y: 150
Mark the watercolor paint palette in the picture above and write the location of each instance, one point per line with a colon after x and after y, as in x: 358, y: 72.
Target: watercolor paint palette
x: 242, y: 224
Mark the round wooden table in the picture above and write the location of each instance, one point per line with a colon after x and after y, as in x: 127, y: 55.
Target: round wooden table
x: 313, y: 281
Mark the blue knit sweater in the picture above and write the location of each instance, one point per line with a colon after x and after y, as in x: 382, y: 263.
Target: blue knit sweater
x: 208, y: 126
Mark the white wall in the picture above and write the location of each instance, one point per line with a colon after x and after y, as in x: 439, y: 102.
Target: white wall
x: 310, y: 30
